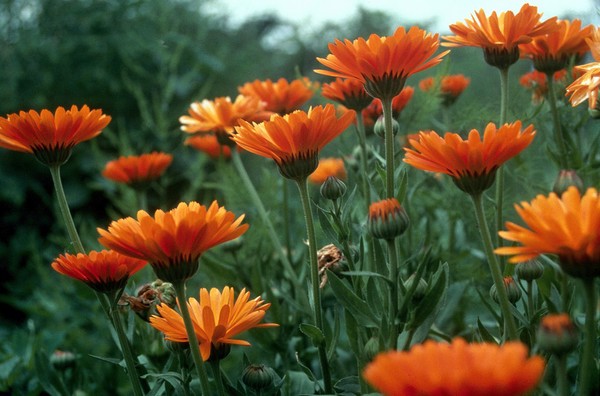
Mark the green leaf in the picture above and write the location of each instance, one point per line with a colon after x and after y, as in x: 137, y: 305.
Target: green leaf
x: 332, y: 343
x: 313, y: 332
x: 361, y: 311
x: 431, y: 301
x: 368, y: 274
x: 485, y: 334
x: 348, y: 385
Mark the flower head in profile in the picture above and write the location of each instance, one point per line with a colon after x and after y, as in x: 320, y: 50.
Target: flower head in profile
x: 328, y: 167
x: 210, y: 145
x: 458, y: 368
x: 471, y: 163
x: 173, y: 241
x: 137, y: 170
x: 105, y: 271
x: 51, y: 136
x: 552, y: 52
x: 399, y: 102
x: 294, y: 140
x: 348, y: 92
x: 280, y: 97
x: 382, y: 64
x: 387, y: 219
x: 567, y: 226
x: 450, y: 87
x: 586, y: 86
x: 537, y: 83
x: 500, y: 35
x: 218, y: 317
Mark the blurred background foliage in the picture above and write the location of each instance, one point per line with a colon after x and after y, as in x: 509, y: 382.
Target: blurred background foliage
x: 143, y: 62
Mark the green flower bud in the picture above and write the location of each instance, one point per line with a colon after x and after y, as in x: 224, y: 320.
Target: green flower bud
x: 529, y: 270
x: 420, y: 290
x: 387, y: 219
x: 565, y: 179
x: 513, y: 291
x: 379, y: 127
x: 557, y: 334
x: 333, y: 188
x: 371, y: 348
x: 62, y: 360
x: 258, y: 376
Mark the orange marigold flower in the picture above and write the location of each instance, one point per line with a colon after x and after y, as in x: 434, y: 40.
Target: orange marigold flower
x: 105, y: 271
x: 585, y: 87
x: 328, y: 167
x: 450, y: 87
x: 217, y: 318
x: 472, y: 163
x: 552, y: 51
x: 173, y: 241
x: 458, y: 368
x: 399, y: 102
x: 500, y: 36
x: 50, y: 137
x: 137, y: 169
x: 568, y: 226
x: 294, y: 140
x: 210, y: 145
x: 349, y: 92
x: 537, y: 82
x: 220, y: 116
x: 382, y: 64
x: 282, y: 96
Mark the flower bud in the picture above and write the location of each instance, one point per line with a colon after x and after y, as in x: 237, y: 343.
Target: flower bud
x: 557, y: 334
x: 371, y: 348
x: 565, y: 179
x: 420, y: 290
x: 258, y: 376
x: 379, y: 127
x: 333, y: 188
x: 62, y: 360
x: 529, y: 270
x: 513, y: 291
x: 387, y: 219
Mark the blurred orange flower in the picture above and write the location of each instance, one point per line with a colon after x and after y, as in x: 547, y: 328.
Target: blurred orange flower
x: 458, y: 368
x: 217, y: 318
x: 294, y: 140
x: 210, y: 145
x: 137, y: 170
x: 568, y: 226
x: 375, y: 110
x: 282, y: 96
x: 105, y: 271
x: 552, y: 52
x: 500, y: 36
x: 50, y: 137
x: 328, y: 167
x: 537, y: 82
x: 349, y: 92
x: 450, y: 87
x: 472, y: 163
x: 382, y: 64
x: 173, y: 241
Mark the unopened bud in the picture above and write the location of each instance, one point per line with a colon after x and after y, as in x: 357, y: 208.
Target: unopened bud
x: 387, y: 219
x: 379, y: 127
x: 513, y: 291
x: 333, y: 188
x: 420, y: 290
x: 371, y: 349
x: 258, y: 376
x: 565, y: 179
x: 529, y: 270
x: 557, y: 334
x: 62, y: 360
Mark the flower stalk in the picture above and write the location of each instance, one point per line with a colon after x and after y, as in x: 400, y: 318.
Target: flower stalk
x: 389, y: 147
x: 588, y: 363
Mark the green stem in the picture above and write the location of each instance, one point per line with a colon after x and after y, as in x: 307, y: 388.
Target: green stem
x: 126, y: 350
x: 389, y: 147
x: 561, y: 374
x: 216, y: 369
x: 588, y: 363
x: 364, y: 171
x: 393, y: 276
x: 285, y: 208
x: 503, y: 95
x: 239, y: 166
x: 500, y: 173
x: 530, y: 301
x: 558, y: 134
x: 192, y: 339
x: 142, y: 199
x: 64, y: 209
x: 314, y: 279
x: 486, y: 238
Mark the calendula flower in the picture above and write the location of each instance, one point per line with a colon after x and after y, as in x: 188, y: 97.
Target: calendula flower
x: 585, y: 87
x: 500, y: 35
x: 294, y: 140
x: 104, y: 271
x: 437, y: 368
x: 221, y: 115
x: 399, y: 102
x: 387, y: 219
x: 382, y: 64
x: 537, y: 82
x: 328, y: 167
x: 137, y: 170
x: 450, y: 86
x: 557, y: 334
x: 210, y: 145
x: 173, y: 241
x: 348, y: 92
x: 282, y: 96
x: 567, y: 226
x: 51, y: 136
x: 217, y: 317
x: 552, y: 51
x: 471, y: 163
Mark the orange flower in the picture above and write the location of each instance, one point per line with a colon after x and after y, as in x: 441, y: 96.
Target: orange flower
x: 586, y: 86
x: 104, y: 271
x: 137, y: 170
x: 399, y: 102
x: 50, y: 137
x: 568, y: 226
x: 210, y: 145
x: 537, y: 82
x: 280, y: 97
x: 472, y: 163
x: 450, y: 88
x: 427, y: 84
x: 220, y: 116
x: 328, y: 167
x: 294, y: 140
x: 217, y: 318
x: 552, y: 51
x: 387, y: 219
x: 383, y: 64
x: 500, y: 36
x: 458, y: 368
x: 173, y: 241
x: 349, y: 92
